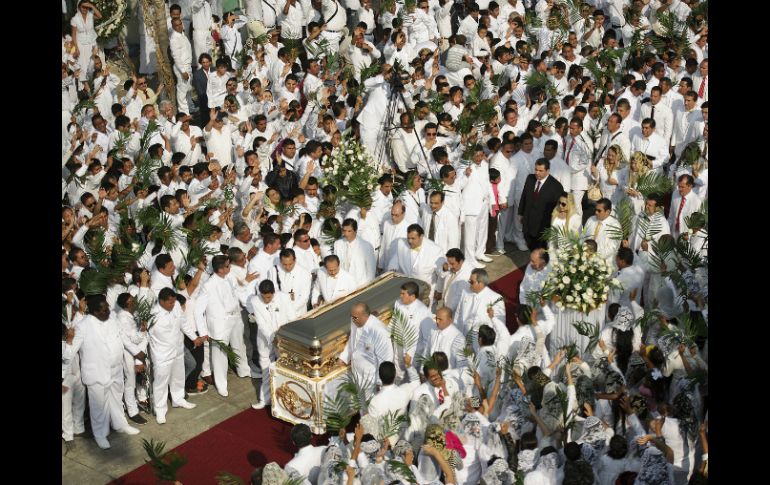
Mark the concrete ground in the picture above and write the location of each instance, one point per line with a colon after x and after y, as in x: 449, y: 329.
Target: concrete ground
x: 87, y: 464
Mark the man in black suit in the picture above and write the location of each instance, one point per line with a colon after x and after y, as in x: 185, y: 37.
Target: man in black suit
x: 541, y: 194
x: 199, y: 82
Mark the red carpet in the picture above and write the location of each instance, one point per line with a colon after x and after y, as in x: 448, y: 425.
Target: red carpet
x: 508, y: 286
x: 254, y: 438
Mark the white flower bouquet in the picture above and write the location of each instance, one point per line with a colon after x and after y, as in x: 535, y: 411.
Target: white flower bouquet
x: 579, y: 280
x: 114, y: 17
x: 353, y: 171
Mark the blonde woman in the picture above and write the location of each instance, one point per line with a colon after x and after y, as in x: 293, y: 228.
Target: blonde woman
x: 607, y: 174
x: 565, y: 215
x: 638, y: 167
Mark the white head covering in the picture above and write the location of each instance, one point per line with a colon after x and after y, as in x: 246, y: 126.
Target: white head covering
x: 624, y: 320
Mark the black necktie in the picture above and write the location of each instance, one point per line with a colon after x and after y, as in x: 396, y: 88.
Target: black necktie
x: 432, y: 229
x: 652, y: 115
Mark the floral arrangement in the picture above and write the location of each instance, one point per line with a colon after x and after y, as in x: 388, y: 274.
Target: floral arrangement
x: 114, y: 17
x: 579, y: 280
x: 353, y: 171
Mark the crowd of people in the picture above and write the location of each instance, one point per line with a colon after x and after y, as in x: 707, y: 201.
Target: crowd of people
x: 197, y: 220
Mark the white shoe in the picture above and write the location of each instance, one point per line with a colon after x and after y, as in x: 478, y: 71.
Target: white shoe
x: 479, y: 265
x: 160, y: 419
x: 259, y: 405
x: 103, y: 443
x: 484, y: 259
x: 185, y: 404
x: 128, y: 430
x: 222, y: 393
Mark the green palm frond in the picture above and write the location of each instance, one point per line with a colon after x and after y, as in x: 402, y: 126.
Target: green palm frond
x: 473, y: 362
x: 650, y: 226
x: 690, y: 155
x: 83, y: 105
x: 401, y: 333
x: 688, y: 255
x: 674, y: 34
x: 94, y: 281
x: 506, y: 364
x: 533, y: 297
x: 358, y: 388
x: 647, y: 319
x: 701, y: 9
x: 589, y: 330
x: 392, y: 424
x: 144, y: 142
x: 165, y: 465
x: 232, y: 358
x: 435, y: 102
x: 298, y: 480
x: 470, y: 341
x: 540, y: 81
x: 624, y: 213
x: 685, y: 333
x: 654, y: 183
x: 337, y: 412
x: 96, y: 248
x: 227, y: 478
x: 426, y: 360
x: 568, y: 416
x: 143, y: 312
x: 331, y: 234
x: 159, y: 225
x: 532, y: 21
x: 386, y: 5
x: 145, y: 168
x: 561, y: 236
x: 433, y: 185
x: 370, y: 71
x: 571, y: 352
x: 662, y: 250
x: 339, y: 466
x: 402, y: 470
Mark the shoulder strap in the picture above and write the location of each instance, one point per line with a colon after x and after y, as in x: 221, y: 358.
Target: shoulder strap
x: 277, y: 276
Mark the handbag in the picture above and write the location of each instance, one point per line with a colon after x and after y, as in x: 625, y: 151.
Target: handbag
x: 594, y: 192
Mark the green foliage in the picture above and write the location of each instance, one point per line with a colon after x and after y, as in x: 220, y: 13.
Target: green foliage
x: 685, y: 333
x: 145, y: 169
x: 674, y: 34
x: 624, y: 213
x: 165, y: 465
x: 159, y: 225
x: 337, y: 412
x: 392, y: 424
x: 435, y: 102
x: 401, y: 469
x: 589, y: 330
x: 647, y: 319
x: 232, y: 358
x: 143, y: 313
x: 571, y: 351
x: 358, y: 389
x: 561, y: 236
x: 83, y: 105
x: 401, y: 333
x: 654, y: 183
x: 568, y: 416
x: 540, y: 81
x: 144, y: 142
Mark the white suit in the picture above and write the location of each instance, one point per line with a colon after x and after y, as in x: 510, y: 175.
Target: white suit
x: 420, y: 320
x: 454, y: 285
x: 447, y: 228
x: 167, y: 350
x: 475, y: 203
x: 390, y: 233
x: 270, y: 317
x: 607, y: 248
x: 181, y: 52
x: 357, y: 258
x: 134, y: 342
x: 218, y: 315
x: 296, y: 284
x: 368, y: 346
x: 330, y: 288
x: 450, y: 341
x: 101, y: 368
x: 472, y: 313
x: 425, y: 263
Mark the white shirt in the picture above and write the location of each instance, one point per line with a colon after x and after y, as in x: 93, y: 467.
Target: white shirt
x: 181, y: 51
x: 219, y: 143
x: 450, y: 341
x: 295, y: 283
x: 331, y: 288
x: 216, y: 89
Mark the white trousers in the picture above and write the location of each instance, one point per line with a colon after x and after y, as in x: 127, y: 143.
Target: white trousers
x: 202, y: 42
x: 130, y: 389
x: 219, y: 359
x: 334, y: 39
x: 73, y: 406
x: 105, y: 405
x: 264, y: 390
x: 518, y: 229
x: 183, y: 88
x: 206, y: 368
x: 475, y: 235
x: 578, y: 196
x: 164, y: 376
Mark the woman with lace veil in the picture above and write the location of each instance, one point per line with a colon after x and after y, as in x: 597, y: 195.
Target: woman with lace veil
x: 606, y: 174
x: 564, y: 217
x: 638, y: 167
x: 548, y: 471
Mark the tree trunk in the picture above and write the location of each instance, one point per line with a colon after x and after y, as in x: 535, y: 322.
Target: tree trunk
x: 155, y: 20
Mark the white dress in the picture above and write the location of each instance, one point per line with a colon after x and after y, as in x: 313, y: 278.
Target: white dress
x: 575, y: 225
x: 86, y: 40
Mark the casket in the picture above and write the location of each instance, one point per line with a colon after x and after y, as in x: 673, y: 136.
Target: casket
x: 308, y: 349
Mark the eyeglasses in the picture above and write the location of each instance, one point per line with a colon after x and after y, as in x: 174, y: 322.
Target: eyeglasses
x: 304, y: 240
x: 430, y: 134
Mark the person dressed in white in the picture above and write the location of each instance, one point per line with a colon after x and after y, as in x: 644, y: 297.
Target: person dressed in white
x: 356, y: 255
x: 598, y: 228
x: 166, y: 337
x: 84, y: 35
x: 578, y: 158
x: 135, y: 342
x: 442, y: 226
x: 482, y: 305
x: 418, y: 257
x: 307, y: 461
x: 445, y: 337
x: 391, y: 399
x: 475, y: 204
x: 97, y: 339
x: 218, y: 316
x: 367, y: 347
x: 332, y: 282
x: 272, y: 310
x: 74, y: 397
x: 660, y: 113
x: 334, y: 13
x: 455, y: 275
x: 651, y: 144
x: 201, y: 23
x: 181, y: 52
x: 266, y: 258
x: 293, y: 280
x: 631, y: 277
x: 394, y: 228
x: 218, y: 137
x: 614, y: 135
x: 535, y: 274
x: 683, y: 203
x: 417, y: 320
x: 528, y: 347
x: 232, y: 40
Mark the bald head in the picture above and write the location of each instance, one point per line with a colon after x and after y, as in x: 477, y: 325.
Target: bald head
x: 538, y: 259
x: 443, y: 318
x: 359, y: 314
